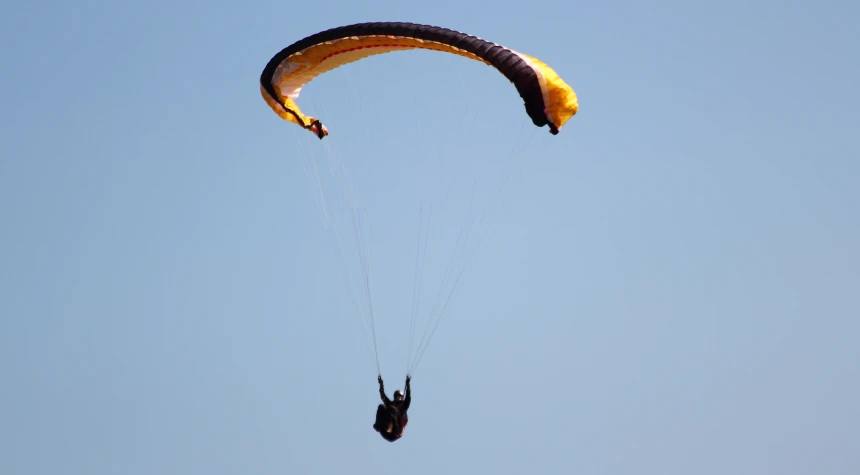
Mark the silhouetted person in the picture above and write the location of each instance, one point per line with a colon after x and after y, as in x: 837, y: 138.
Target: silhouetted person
x: 391, y: 416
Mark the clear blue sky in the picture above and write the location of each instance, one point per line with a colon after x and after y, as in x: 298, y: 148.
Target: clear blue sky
x: 671, y: 287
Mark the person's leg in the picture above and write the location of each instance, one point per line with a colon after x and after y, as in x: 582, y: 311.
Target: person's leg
x: 381, y: 418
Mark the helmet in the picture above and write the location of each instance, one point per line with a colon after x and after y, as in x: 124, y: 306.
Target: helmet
x: 398, y: 395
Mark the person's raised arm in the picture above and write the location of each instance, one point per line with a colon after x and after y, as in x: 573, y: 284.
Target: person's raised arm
x: 408, y: 397
x: 382, y: 391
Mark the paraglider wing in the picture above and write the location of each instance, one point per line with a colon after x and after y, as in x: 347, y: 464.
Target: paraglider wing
x: 548, y: 99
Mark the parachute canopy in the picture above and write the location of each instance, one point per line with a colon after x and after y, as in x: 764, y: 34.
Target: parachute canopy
x: 548, y: 99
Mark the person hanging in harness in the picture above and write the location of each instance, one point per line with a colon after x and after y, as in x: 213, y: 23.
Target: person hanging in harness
x: 391, y: 416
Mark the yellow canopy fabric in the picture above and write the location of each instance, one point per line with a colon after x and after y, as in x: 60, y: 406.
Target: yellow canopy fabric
x: 548, y: 99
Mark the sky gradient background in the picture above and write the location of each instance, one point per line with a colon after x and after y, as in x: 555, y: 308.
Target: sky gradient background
x: 670, y: 286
